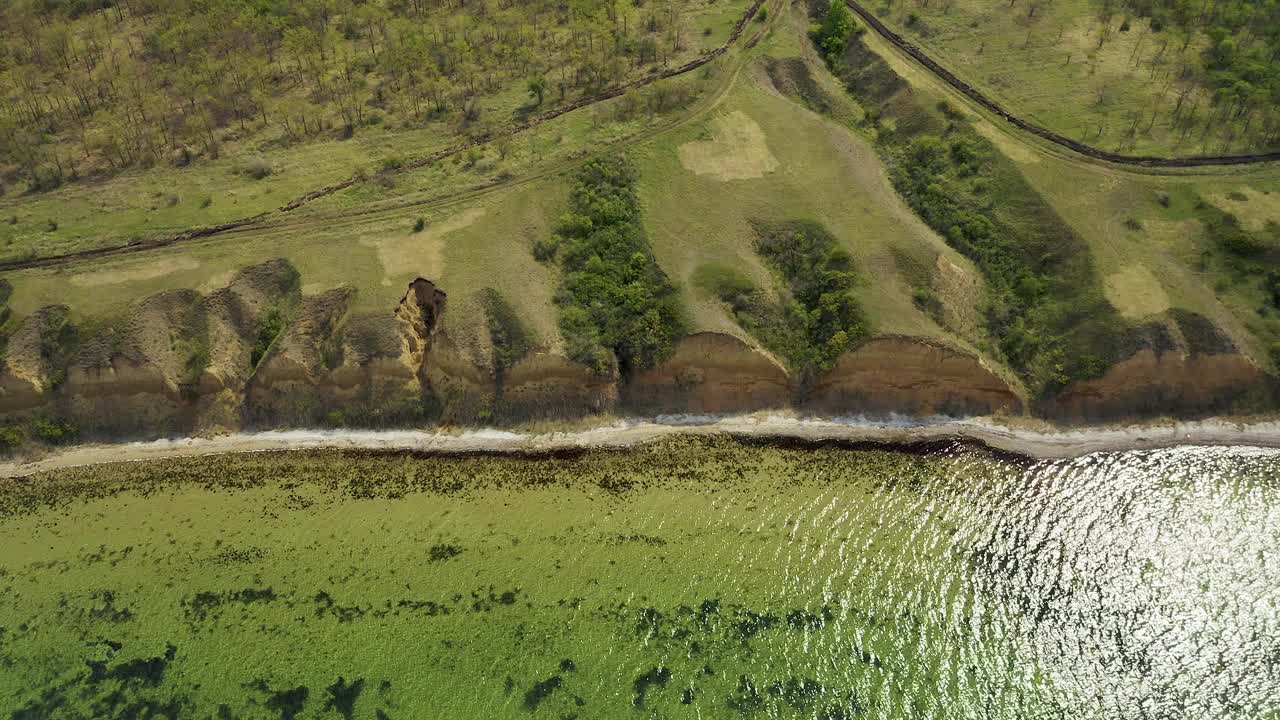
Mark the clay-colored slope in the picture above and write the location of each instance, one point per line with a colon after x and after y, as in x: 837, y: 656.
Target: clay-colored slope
x: 912, y: 376
x: 710, y: 373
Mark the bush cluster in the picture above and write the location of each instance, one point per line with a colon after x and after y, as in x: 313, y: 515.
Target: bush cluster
x: 614, y: 299
x: 817, y: 317
x: 820, y: 278
x: 270, y: 328
x: 511, y: 340
x: 257, y: 167
x: 1046, y: 313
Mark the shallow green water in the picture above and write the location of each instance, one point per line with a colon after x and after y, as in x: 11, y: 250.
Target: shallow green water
x: 690, y: 579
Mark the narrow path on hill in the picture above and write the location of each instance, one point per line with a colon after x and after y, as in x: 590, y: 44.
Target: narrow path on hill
x: 1078, y: 147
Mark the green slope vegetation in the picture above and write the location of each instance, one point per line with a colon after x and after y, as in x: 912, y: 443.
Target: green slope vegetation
x: 1142, y: 77
x: 1046, y: 311
x: 761, y: 157
x: 1146, y: 231
x: 615, y: 302
x: 817, y: 317
x: 1031, y: 222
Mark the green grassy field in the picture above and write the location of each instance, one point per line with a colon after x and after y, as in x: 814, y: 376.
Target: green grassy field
x: 809, y: 168
x: 1113, y: 85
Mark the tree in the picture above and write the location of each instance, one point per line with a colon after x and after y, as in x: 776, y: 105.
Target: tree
x: 834, y: 33
x: 537, y: 88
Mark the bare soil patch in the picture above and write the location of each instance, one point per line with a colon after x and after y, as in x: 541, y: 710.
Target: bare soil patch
x: 143, y: 271
x: 419, y: 253
x: 737, y: 151
x: 1136, y: 292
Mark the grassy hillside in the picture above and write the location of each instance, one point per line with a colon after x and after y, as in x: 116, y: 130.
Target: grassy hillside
x: 1165, y: 78
x: 802, y: 204
x: 1147, y: 230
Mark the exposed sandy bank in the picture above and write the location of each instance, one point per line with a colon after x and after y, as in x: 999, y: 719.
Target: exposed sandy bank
x: 625, y: 433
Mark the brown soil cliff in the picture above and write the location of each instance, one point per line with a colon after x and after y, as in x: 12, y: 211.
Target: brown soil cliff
x: 912, y: 376
x: 186, y: 362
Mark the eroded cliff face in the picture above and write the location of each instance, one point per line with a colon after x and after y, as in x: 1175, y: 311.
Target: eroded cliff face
x: 710, y: 373
x: 30, y: 371
x: 911, y: 376
x: 545, y: 385
x: 258, y: 354
x: 1158, y: 383
x: 331, y: 366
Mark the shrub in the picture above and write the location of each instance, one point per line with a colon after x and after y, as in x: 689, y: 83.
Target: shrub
x: 833, y: 35
x: 392, y: 162
x: 1133, y: 223
x: 1225, y: 231
x: 52, y: 431
x: 950, y: 111
x: 257, y: 167
x: 763, y: 16
x: 723, y: 281
x: 206, y: 202
x: 544, y: 249
x: 1271, y: 285
x: 419, y: 225
x: 511, y: 341
x: 10, y: 439
x: 170, y: 200
x: 963, y: 155
x: 1164, y: 199
x: 820, y: 278
x: 268, y: 330
x: 51, y: 226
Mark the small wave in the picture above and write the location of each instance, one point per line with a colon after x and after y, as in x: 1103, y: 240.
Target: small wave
x: 891, y: 430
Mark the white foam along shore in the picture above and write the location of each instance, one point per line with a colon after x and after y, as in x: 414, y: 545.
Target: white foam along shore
x: 625, y: 433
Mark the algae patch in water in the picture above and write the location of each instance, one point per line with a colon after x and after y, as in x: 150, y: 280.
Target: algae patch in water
x: 692, y: 576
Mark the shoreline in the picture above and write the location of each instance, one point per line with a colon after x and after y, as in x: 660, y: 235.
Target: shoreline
x: 622, y: 434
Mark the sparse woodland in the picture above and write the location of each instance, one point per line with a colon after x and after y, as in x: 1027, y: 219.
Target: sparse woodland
x: 1239, y: 65
x: 96, y: 86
